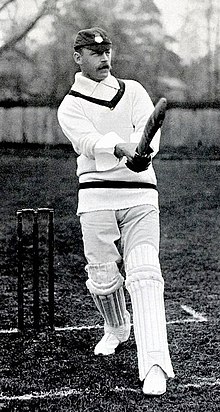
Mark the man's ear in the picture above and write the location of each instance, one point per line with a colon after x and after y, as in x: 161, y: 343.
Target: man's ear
x: 77, y: 57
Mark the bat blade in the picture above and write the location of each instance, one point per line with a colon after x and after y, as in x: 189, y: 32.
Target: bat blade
x: 154, y: 122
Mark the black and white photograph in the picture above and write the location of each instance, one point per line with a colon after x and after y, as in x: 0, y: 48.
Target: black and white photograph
x: 109, y: 205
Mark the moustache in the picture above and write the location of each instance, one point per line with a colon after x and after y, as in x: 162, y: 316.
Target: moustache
x: 104, y: 66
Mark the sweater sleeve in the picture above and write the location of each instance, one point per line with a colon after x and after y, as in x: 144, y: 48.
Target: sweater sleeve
x: 84, y: 137
x: 142, y: 108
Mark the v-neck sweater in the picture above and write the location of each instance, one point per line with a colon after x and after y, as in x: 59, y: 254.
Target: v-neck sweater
x: 95, y: 129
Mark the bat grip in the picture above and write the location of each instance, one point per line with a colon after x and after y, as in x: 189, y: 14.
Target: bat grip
x: 143, y: 153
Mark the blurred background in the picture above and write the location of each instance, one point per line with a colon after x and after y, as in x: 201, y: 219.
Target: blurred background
x: 172, y: 47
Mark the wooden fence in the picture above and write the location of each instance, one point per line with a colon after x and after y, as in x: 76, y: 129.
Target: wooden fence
x: 182, y: 127
x: 31, y: 125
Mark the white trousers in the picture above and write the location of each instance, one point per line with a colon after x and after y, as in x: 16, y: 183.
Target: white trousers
x: 102, y: 231
x: 131, y: 236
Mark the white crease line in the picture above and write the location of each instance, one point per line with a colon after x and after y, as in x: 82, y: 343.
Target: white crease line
x: 203, y: 382
x: 70, y: 328
x: 122, y: 389
x: 90, y: 327
x: 181, y: 321
x: 196, y: 315
x: 51, y: 394
x: 8, y: 331
x: 58, y: 329
x: 171, y: 322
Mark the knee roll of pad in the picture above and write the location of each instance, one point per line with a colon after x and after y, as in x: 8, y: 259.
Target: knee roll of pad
x: 104, y: 278
x: 143, y: 263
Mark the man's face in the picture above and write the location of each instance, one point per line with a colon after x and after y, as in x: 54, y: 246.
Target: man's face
x: 94, y: 64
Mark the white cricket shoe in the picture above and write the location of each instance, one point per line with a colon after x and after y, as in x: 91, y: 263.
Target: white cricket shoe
x: 155, y: 382
x: 113, y: 337
x: 107, y: 345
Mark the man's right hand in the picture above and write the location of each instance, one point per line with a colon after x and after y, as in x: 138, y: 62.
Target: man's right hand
x: 125, y: 149
x: 135, y: 162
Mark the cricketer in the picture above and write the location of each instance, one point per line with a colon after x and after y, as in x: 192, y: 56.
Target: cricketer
x: 104, y: 119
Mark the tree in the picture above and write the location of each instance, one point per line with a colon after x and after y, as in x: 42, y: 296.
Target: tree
x: 21, y: 30
x: 140, y: 45
x: 17, y: 63
x: 136, y: 30
x: 200, y: 37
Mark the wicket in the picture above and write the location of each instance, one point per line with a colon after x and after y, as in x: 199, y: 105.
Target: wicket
x: 20, y: 263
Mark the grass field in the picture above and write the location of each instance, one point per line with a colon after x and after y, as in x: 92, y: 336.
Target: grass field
x: 57, y: 371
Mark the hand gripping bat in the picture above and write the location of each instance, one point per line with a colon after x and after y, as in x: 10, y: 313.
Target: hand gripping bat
x: 142, y: 158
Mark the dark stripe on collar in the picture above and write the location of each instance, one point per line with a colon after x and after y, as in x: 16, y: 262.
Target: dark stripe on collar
x: 111, y: 104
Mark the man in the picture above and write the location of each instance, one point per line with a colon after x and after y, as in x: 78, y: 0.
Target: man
x: 104, y: 118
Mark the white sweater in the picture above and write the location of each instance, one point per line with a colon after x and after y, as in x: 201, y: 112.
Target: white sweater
x: 94, y: 130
